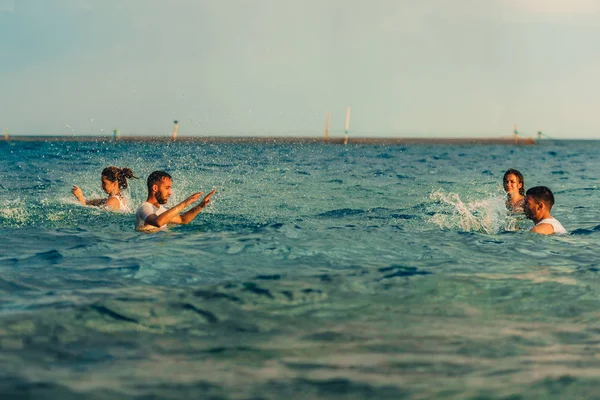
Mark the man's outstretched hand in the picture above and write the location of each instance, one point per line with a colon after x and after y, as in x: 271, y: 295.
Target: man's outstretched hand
x: 206, y: 199
x: 193, y: 198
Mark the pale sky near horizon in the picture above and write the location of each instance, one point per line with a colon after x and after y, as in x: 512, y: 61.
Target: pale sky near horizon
x: 427, y: 68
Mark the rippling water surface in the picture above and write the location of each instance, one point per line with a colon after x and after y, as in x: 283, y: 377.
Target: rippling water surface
x: 319, y: 271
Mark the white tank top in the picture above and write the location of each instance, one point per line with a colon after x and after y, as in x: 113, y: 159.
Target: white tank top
x: 122, y: 204
x: 558, y: 228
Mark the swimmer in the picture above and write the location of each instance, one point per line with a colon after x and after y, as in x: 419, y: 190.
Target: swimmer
x: 538, y: 203
x: 152, y: 216
x: 113, y: 181
x: 515, y: 189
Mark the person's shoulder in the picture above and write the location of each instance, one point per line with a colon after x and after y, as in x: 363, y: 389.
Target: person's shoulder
x: 558, y: 227
x: 145, y: 206
x: 113, y: 203
x: 543, y: 228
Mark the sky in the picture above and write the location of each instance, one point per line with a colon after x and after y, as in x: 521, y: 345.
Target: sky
x: 406, y: 68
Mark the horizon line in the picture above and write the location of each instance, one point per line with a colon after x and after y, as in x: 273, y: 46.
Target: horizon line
x: 506, y: 140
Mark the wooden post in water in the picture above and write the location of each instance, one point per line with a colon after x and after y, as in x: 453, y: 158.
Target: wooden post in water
x: 175, y: 129
x: 347, y: 125
x: 326, y: 134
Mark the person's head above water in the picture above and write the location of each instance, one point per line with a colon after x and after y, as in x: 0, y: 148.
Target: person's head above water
x: 538, y: 202
x: 513, y: 182
x: 514, y: 186
x: 114, y: 179
x: 159, y: 186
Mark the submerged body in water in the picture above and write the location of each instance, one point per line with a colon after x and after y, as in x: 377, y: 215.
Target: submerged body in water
x: 320, y: 271
x: 514, y: 186
x: 152, y: 215
x: 113, y: 181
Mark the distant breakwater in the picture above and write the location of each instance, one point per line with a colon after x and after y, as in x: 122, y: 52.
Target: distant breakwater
x: 279, y: 139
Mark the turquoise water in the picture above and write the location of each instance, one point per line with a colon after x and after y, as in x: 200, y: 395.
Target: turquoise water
x: 319, y: 271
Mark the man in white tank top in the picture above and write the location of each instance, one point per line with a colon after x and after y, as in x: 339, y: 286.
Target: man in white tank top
x: 538, y: 203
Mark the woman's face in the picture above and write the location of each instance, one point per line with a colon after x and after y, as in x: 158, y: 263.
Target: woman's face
x: 512, y: 184
x: 109, y: 187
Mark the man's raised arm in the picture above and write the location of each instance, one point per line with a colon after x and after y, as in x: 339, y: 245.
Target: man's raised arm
x: 189, y: 215
x: 171, y: 215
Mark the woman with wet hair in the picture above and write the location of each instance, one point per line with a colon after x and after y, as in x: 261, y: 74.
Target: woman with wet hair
x: 514, y: 186
x: 113, y: 181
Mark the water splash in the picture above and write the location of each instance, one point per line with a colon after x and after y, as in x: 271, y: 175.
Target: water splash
x: 488, y: 215
x: 14, y: 213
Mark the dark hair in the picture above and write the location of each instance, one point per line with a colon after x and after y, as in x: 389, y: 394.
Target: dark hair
x: 156, y: 177
x: 519, y: 176
x: 120, y: 175
x: 542, y: 194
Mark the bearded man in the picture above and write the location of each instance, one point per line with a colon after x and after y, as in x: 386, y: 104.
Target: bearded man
x: 152, y: 215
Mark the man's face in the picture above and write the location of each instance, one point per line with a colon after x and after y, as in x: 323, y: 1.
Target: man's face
x: 530, y: 207
x: 163, y: 190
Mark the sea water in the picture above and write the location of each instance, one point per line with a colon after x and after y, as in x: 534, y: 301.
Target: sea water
x: 317, y: 271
